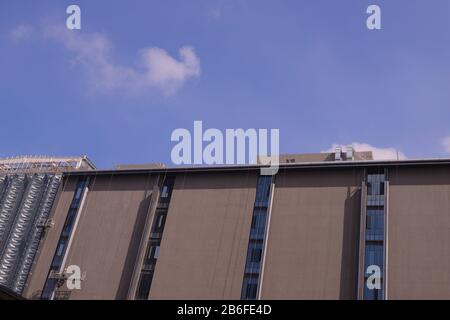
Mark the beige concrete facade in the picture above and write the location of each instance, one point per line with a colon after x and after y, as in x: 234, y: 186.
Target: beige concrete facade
x: 312, y: 244
x: 106, y: 238
x: 205, y: 240
x: 419, y: 233
x: 312, y: 250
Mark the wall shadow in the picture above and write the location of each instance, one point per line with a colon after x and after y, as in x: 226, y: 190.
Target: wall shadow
x: 350, y: 246
x: 133, y: 249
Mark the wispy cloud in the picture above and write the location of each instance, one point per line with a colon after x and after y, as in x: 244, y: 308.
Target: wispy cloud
x: 378, y: 153
x: 215, y: 13
x: 446, y: 144
x: 20, y: 32
x: 157, y: 71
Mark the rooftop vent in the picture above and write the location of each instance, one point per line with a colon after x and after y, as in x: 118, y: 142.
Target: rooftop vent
x: 349, y: 155
x: 337, y: 154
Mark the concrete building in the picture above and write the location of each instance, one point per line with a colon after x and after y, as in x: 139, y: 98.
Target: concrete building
x: 330, y: 226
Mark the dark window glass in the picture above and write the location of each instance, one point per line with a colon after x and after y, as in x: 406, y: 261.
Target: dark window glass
x: 159, y: 221
x: 263, y: 190
x: 145, y: 282
x: 251, y: 291
x: 381, y: 188
x: 258, y: 223
x: 256, y: 255
x: 375, y: 225
x: 48, y: 289
x: 373, y: 294
x: 153, y: 246
x: 374, y: 233
x: 375, y: 184
x: 369, y: 188
x: 56, y: 262
x: 61, y: 248
x: 256, y: 240
x: 374, y: 255
x: 250, y: 288
x: 166, y: 191
x: 368, y: 222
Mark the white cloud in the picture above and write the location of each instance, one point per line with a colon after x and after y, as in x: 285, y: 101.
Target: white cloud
x: 378, y: 153
x: 165, y: 72
x: 20, y: 33
x: 446, y: 144
x: 157, y: 69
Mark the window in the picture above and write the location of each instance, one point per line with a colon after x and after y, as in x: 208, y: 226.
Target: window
x: 58, y: 257
x: 48, y: 289
x: 368, y: 222
x: 373, y: 294
x: 164, y: 192
x: 374, y: 232
x: 374, y: 255
x: 256, y: 255
x: 145, y: 282
x: 256, y: 239
x: 78, y: 193
x: 263, y: 191
x: 153, y: 252
x: 258, y: 223
x: 375, y: 224
x: 60, y: 249
x: 375, y: 184
x: 251, y: 291
x: 153, y: 245
x: 159, y: 222
x: 250, y: 288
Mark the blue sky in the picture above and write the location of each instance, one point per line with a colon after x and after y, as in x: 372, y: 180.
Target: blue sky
x: 117, y: 88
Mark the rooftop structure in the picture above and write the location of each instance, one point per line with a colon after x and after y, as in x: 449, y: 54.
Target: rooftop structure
x: 45, y: 164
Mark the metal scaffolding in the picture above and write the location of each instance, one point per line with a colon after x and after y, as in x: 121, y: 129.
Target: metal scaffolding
x: 28, y: 188
x: 45, y: 164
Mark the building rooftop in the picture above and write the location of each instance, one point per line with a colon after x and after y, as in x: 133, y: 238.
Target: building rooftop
x: 282, y: 166
x: 45, y: 164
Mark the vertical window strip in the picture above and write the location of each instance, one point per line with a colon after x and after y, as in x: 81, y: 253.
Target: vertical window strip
x: 61, y: 249
x: 154, y: 241
x: 374, y: 234
x: 255, y: 248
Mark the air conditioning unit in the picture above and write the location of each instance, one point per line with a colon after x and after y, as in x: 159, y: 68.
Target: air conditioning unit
x: 349, y: 153
x: 46, y: 223
x: 337, y: 154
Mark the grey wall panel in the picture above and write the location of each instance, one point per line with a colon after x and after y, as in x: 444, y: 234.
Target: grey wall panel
x: 107, y: 236
x: 419, y: 233
x: 312, y: 245
x: 205, y: 239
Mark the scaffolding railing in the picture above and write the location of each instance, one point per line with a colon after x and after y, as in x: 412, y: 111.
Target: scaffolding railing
x: 44, y: 164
